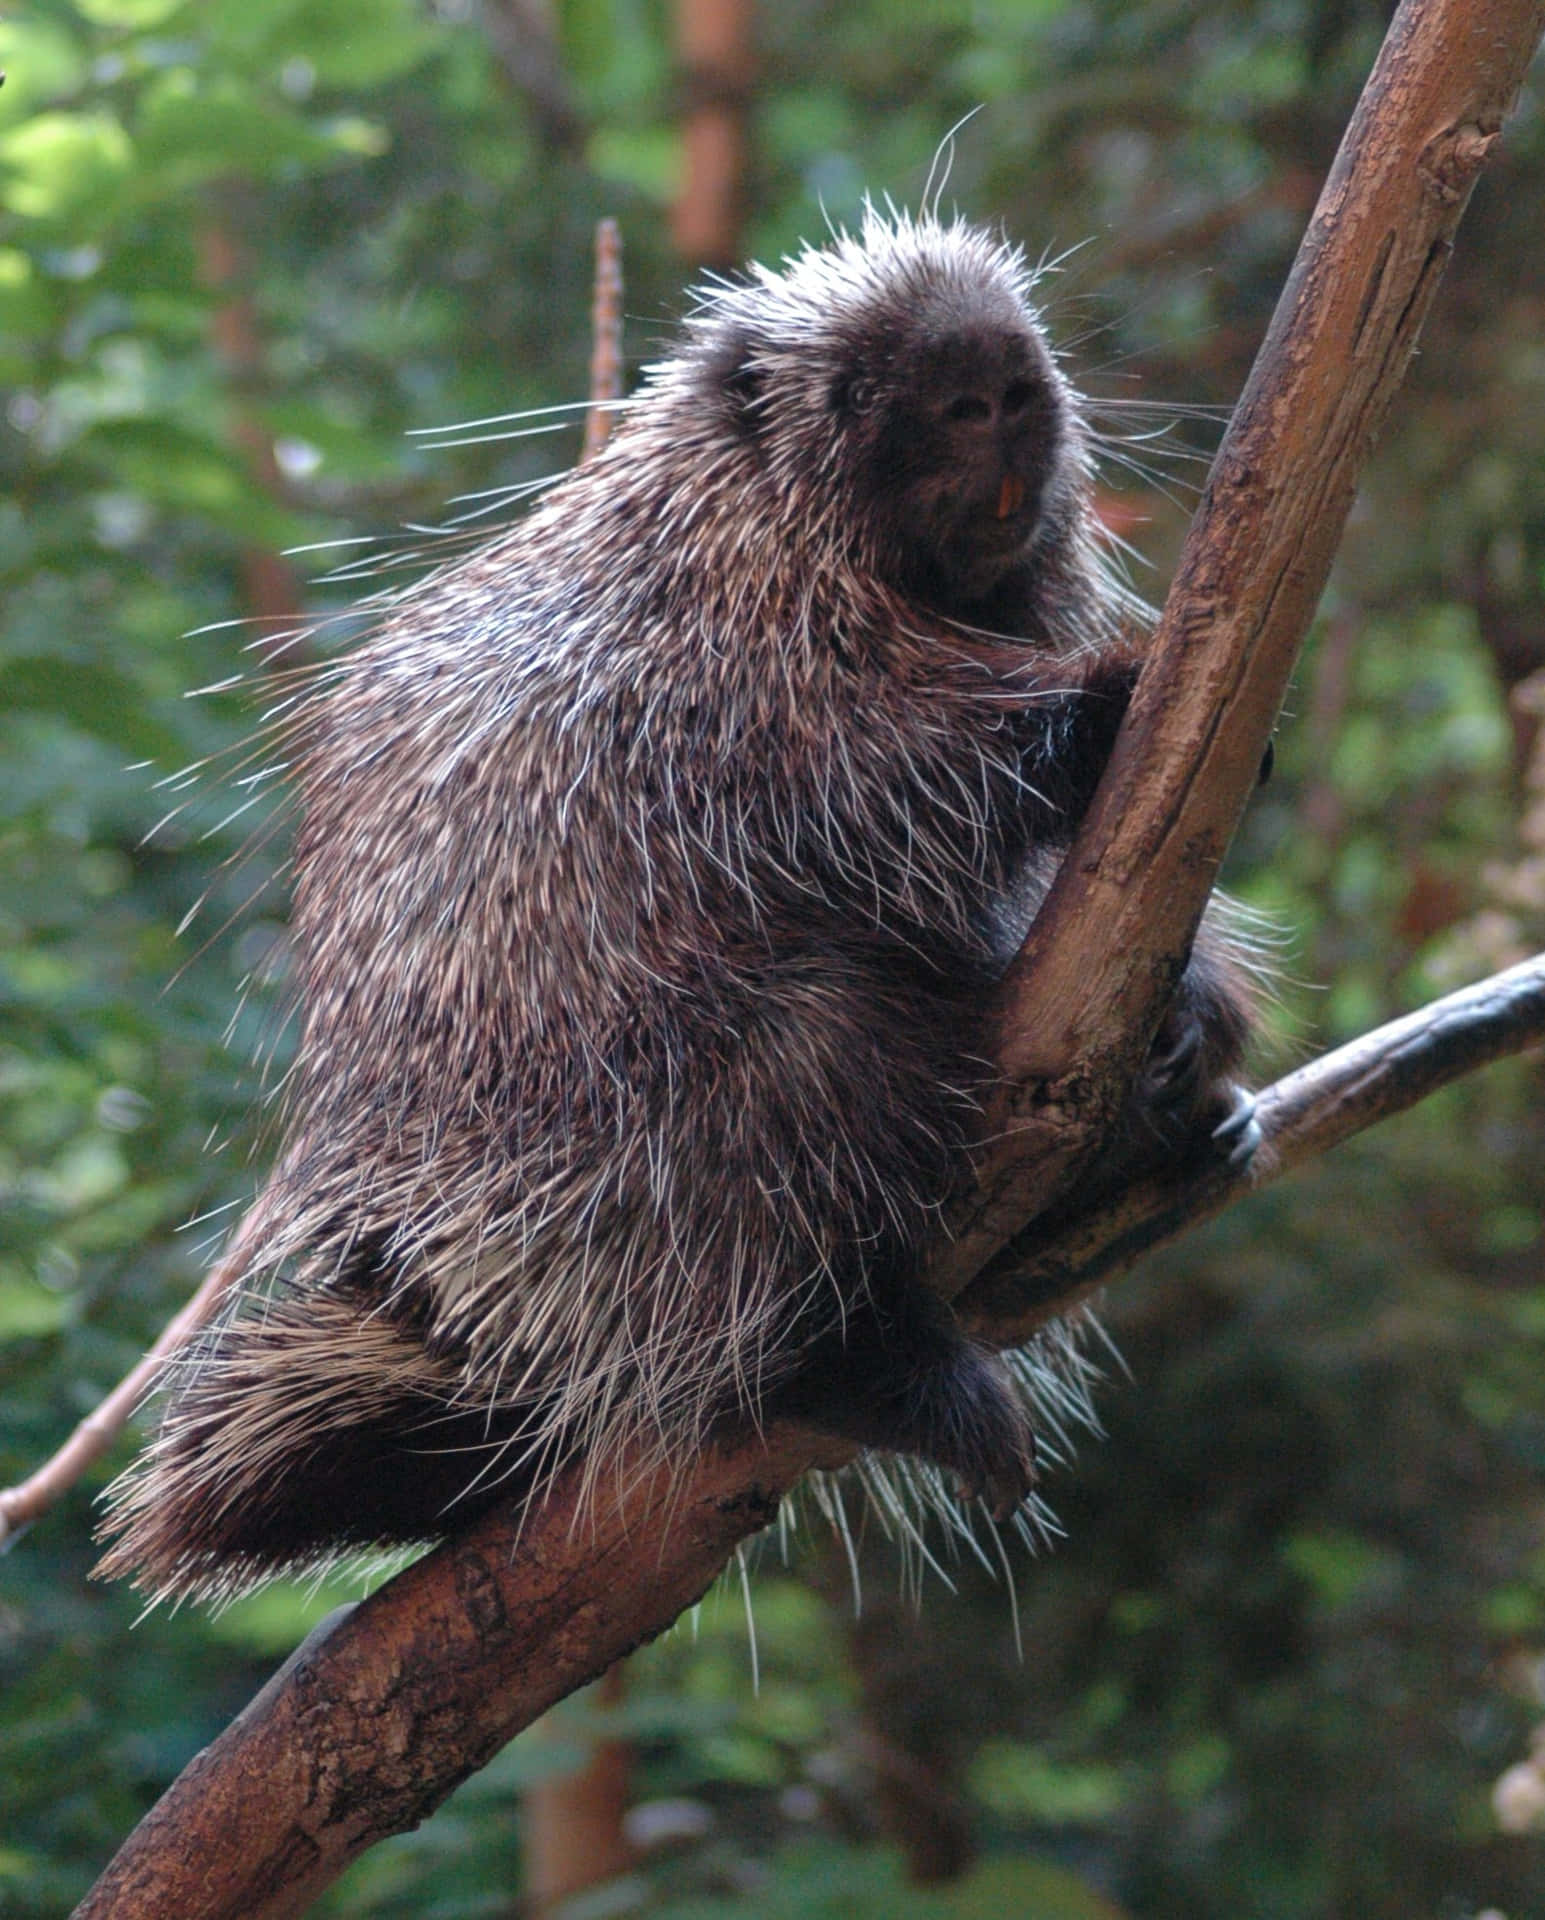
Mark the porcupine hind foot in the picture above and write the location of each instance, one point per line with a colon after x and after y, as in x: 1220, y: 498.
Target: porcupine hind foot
x: 902, y: 1377
x: 294, y: 1433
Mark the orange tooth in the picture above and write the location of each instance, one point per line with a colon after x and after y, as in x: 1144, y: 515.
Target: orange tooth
x: 1011, y: 495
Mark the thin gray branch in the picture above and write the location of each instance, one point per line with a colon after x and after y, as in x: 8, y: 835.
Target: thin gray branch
x: 1064, y: 1255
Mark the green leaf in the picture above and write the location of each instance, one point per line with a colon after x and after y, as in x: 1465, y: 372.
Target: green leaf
x: 190, y: 473
x: 27, y: 1309
x: 66, y: 164
x: 41, y: 62
x: 1341, y: 1567
x: 1023, y: 1782
x: 133, y: 14
x: 191, y: 130
x: 26, y: 300
x: 647, y: 159
x: 362, y: 45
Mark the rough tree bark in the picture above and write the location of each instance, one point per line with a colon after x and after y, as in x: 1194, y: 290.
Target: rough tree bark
x: 386, y: 1709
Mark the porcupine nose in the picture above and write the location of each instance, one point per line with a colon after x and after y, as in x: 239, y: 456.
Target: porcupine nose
x: 990, y: 406
x: 996, y: 413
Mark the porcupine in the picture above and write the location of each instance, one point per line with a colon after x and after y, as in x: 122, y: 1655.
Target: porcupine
x: 655, y: 865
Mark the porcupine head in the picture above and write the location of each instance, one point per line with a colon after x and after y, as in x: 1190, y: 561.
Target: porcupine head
x: 652, y: 871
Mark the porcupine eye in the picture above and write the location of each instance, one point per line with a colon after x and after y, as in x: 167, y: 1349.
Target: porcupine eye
x: 967, y: 406
x: 852, y: 393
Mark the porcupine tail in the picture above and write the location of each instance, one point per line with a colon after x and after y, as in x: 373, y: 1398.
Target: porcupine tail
x: 298, y: 1430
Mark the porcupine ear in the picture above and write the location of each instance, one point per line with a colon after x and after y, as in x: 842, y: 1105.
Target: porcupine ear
x: 733, y: 374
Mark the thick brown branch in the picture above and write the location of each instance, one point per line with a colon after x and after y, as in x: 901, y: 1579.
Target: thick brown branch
x: 387, y: 1709
x: 1082, y: 1003
x: 718, y: 62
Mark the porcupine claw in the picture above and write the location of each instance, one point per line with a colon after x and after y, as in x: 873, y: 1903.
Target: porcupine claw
x: 1004, y: 1490
x: 1238, y: 1135
x: 1173, y: 1081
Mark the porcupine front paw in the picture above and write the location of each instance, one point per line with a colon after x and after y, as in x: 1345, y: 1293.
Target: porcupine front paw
x: 1181, y: 1101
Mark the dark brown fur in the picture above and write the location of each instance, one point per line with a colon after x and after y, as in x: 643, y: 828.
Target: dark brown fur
x: 655, y: 866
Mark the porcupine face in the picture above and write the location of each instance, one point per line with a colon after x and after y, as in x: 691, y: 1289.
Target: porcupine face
x: 956, y: 434
x: 948, y: 440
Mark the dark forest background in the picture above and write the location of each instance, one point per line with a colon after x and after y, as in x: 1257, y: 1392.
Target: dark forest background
x: 1296, y: 1633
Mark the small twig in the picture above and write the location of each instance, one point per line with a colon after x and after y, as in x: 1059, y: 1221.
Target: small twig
x: 605, y: 338
x: 22, y: 1504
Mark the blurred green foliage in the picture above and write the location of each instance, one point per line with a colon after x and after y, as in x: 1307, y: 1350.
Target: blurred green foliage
x: 1298, y: 1624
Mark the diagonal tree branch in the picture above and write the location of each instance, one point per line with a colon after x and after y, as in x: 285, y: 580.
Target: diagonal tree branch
x: 1082, y: 1002
x: 381, y: 1714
